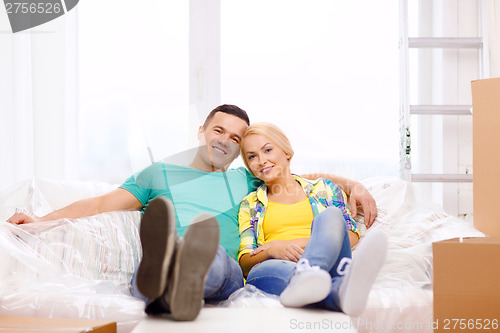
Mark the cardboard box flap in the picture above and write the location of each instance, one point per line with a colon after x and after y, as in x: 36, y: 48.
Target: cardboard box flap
x: 457, y: 263
x: 486, y: 154
x: 465, y: 285
x: 35, y: 324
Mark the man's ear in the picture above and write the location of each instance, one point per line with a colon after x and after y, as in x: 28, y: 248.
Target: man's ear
x: 200, y: 132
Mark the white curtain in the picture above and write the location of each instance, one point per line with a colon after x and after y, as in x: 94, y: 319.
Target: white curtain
x: 38, y: 101
x: 493, y: 14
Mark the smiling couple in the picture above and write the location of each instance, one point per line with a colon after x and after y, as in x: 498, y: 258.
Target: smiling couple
x: 291, y: 236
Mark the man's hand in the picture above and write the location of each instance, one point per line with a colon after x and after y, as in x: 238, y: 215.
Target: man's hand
x: 118, y: 199
x: 357, y: 193
x: 360, y: 196
x: 21, y: 218
x: 281, y: 249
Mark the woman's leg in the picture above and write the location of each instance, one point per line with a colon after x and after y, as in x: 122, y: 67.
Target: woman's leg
x: 329, y: 243
x: 328, y: 247
x: 271, y: 276
x: 349, y: 293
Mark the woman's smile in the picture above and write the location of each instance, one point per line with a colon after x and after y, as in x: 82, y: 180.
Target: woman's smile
x: 266, y: 169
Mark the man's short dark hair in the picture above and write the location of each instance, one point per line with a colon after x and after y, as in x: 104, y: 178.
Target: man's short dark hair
x: 229, y: 109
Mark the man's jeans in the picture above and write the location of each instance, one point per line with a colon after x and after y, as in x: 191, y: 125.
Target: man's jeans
x: 328, y: 246
x: 224, y: 278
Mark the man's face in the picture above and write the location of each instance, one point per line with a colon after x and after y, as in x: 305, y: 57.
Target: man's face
x: 221, y: 136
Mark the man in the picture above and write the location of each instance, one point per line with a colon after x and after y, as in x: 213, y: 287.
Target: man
x: 177, y: 273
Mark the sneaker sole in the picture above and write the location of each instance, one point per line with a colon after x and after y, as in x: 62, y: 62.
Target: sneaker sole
x: 157, y: 234
x: 193, y: 259
x: 362, y: 273
x: 308, y: 289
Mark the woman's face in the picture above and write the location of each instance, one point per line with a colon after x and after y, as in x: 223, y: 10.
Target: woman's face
x: 265, y: 159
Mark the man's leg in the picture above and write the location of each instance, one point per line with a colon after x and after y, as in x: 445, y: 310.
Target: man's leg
x: 193, y: 258
x: 158, y: 238
x: 175, y: 288
x: 224, y: 278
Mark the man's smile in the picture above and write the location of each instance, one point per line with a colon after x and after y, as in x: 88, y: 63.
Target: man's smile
x: 219, y: 150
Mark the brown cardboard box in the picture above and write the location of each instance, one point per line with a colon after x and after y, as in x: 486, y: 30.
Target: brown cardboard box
x: 45, y: 325
x: 466, y: 285
x: 486, y: 154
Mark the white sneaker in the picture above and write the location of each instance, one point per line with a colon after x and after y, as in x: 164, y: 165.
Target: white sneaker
x: 308, y: 285
x: 361, y: 273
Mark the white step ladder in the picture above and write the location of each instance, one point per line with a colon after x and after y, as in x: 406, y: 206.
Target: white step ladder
x: 407, y: 110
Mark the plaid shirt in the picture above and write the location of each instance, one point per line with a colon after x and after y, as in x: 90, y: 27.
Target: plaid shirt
x: 322, y: 193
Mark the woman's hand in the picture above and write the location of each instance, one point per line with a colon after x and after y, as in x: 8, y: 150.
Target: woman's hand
x: 281, y: 249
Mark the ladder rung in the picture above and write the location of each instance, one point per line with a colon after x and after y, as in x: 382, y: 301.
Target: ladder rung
x: 442, y: 42
x: 442, y: 178
x: 459, y: 110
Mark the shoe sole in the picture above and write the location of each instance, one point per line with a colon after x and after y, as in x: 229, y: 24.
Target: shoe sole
x: 309, y: 288
x: 157, y: 232
x: 362, y: 273
x: 193, y: 259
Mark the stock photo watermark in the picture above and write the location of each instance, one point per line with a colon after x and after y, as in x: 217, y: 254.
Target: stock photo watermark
x: 392, y: 326
x: 27, y: 14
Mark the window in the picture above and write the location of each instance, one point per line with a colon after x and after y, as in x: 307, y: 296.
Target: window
x: 326, y: 72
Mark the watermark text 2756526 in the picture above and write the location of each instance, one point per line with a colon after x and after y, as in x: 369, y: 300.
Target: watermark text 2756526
x: 26, y: 14
x: 33, y: 7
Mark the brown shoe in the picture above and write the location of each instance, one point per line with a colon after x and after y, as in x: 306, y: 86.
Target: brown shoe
x: 158, y: 233
x: 193, y: 258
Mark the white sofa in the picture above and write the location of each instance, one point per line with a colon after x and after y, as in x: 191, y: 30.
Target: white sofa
x: 82, y: 268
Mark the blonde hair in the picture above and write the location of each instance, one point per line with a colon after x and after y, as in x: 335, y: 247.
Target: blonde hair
x: 270, y: 131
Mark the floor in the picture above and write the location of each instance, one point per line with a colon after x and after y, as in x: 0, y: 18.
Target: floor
x: 254, y: 320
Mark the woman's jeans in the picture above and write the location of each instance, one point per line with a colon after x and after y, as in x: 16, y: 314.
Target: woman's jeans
x: 328, y: 246
x: 224, y: 278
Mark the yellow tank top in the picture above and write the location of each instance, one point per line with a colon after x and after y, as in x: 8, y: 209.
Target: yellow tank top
x: 287, y: 221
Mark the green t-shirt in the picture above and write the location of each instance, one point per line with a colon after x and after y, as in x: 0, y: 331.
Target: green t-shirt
x: 193, y: 191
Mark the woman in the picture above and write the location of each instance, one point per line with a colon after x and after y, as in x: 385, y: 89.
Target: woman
x: 296, y: 234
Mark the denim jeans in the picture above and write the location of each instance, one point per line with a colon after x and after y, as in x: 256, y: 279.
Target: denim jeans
x: 328, y: 245
x: 224, y: 278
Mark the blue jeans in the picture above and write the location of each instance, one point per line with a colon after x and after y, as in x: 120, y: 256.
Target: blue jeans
x: 328, y: 245
x: 224, y: 278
